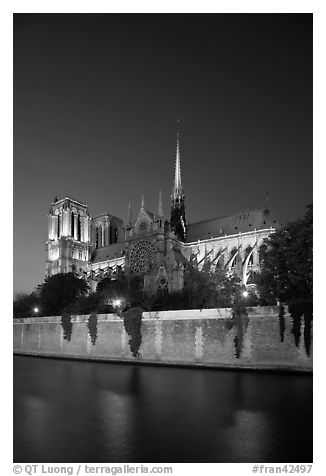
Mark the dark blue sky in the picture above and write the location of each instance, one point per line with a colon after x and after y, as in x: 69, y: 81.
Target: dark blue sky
x: 97, y: 97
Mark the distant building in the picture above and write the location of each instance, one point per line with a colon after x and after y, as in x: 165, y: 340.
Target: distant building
x: 157, y: 249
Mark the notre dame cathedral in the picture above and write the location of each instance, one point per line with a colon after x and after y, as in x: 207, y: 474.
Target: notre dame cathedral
x: 158, y: 249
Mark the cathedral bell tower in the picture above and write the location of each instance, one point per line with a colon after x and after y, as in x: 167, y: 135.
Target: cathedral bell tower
x: 68, y: 244
x: 178, y: 214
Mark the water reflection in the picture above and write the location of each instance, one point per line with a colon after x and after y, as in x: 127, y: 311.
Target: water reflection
x: 117, y: 420
x: 67, y: 411
x: 250, y: 432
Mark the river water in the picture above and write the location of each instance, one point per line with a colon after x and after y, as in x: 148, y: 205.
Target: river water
x: 73, y: 411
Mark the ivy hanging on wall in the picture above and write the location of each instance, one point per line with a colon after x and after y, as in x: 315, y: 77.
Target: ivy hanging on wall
x: 66, y: 325
x: 132, y: 320
x: 240, y: 320
x: 282, y: 321
x: 296, y: 327
x: 307, y: 333
x: 92, y: 327
x: 298, y: 312
x: 228, y: 323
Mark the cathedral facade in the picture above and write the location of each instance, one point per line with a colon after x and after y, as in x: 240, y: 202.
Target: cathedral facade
x: 150, y: 246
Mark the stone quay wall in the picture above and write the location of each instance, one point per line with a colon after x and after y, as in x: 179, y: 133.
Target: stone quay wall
x: 203, y: 338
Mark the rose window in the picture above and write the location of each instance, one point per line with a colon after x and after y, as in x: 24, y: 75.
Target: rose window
x: 142, y: 257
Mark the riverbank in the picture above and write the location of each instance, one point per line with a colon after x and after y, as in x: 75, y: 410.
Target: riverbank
x: 262, y: 368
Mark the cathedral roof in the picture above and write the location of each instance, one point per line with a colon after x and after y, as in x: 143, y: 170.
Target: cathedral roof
x: 69, y: 199
x: 115, y: 250
x: 150, y: 214
x: 241, y: 222
x: 106, y: 215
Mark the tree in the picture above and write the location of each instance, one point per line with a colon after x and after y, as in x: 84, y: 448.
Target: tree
x: 129, y: 289
x: 88, y: 304
x: 24, y: 305
x: 208, y: 288
x: 60, y: 292
x: 286, y: 266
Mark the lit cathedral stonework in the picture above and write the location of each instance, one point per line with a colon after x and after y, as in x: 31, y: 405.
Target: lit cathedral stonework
x: 152, y: 247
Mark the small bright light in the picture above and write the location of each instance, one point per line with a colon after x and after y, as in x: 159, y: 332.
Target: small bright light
x: 36, y: 309
x: 245, y: 293
x: 117, y: 302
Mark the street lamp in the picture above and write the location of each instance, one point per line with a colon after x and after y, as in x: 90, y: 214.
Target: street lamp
x: 245, y: 294
x: 116, y: 302
x: 36, y: 310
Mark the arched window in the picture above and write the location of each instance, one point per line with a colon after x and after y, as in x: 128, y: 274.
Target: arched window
x: 112, y: 234
x: 100, y: 237
x: 72, y: 218
x: 78, y: 228
x: 220, y: 261
x: 96, y: 237
x: 59, y: 224
x: 233, y: 252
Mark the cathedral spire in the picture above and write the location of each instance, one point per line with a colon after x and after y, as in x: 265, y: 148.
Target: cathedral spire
x: 160, y: 205
x: 177, y: 188
x: 178, y: 216
x: 142, y: 201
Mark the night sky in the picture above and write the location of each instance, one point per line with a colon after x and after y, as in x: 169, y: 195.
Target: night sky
x: 96, y: 102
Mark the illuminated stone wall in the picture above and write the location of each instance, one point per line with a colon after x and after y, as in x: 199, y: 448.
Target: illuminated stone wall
x: 193, y: 337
